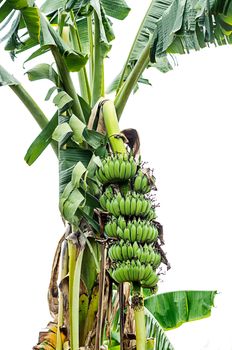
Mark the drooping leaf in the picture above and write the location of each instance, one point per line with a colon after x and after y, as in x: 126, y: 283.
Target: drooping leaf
x: 77, y: 127
x: 178, y: 26
x: 43, y: 71
x: 77, y: 173
x: 173, y: 309
x: 41, y: 141
x: 62, y: 132
x: 68, y: 159
x: 32, y: 21
x: 62, y: 101
x: 94, y: 138
x: 116, y: 8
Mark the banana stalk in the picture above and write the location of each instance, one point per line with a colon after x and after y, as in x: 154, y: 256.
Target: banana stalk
x: 112, y: 127
x: 140, y: 327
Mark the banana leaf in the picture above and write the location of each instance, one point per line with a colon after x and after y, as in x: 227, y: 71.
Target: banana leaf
x: 172, y: 309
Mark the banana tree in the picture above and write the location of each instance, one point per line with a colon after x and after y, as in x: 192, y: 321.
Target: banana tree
x: 104, y: 275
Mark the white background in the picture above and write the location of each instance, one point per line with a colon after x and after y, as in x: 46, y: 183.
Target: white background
x: 184, y: 122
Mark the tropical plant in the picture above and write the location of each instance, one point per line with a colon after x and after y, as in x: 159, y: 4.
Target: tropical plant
x: 106, y: 261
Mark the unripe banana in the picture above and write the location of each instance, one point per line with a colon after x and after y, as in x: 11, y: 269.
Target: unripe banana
x: 120, y: 233
x: 109, y: 193
x: 122, y: 206
x: 148, y: 271
x: 130, y: 251
x: 114, y: 228
x: 136, y: 273
x: 122, y: 222
x: 156, y: 260
x: 139, y: 233
x: 151, y: 281
x: 128, y: 205
x: 117, y: 169
x: 102, y: 201
x: 155, y: 233
x: 144, y: 183
x: 111, y: 252
x: 133, y: 233
x: 111, y: 169
x: 117, y: 275
x: 124, y: 252
x: 115, y: 206
x: 108, y: 205
x: 135, y: 248
x: 122, y: 170
x: 133, y: 166
x: 131, y: 273
x: 118, y: 252
x: 145, y: 233
x: 127, y: 171
x: 149, y: 233
x: 144, y: 207
x: 126, y: 271
x: 139, y: 205
x: 108, y: 230
x: 105, y: 171
x: 141, y: 272
x: 126, y: 234
x: 137, y: 183
x: 101, y: 176
x: 133, y: 206
x: 125, y: 157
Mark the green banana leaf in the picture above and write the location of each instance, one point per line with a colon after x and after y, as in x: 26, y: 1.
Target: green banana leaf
x: 178, y: 26
x: 172, y: 309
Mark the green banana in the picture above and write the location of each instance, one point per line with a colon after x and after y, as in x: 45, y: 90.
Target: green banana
x: 133, y: 206
x: 126, y: 235
x: 151, y: 281
x: 127, y: 171
x: 133, y: 233
x: 106, y: 171
x: 102, y: 201
x: 122, y: 170
x: 128, y: 205
x: 137, y: 183
x: 117, y: 169
x: 115, y: 207
x: 133, y: 166
x: 122, y: 206
x: 130, y: 251
x: 120, y: 233
x: 124, y: 252
x: 139, y: 205
x: 144, y: 207
x: 139, y: 232
x: 111, y: 169
x: 122, y: 222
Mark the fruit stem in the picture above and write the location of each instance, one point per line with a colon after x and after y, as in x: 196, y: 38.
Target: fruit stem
x: 140, y: 327
x: 112, y: 127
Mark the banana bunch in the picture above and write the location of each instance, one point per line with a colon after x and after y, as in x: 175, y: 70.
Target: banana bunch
x: 134, y: 271
x: 143, y: 183
x: 123, y: 251
x: 132, y: 204
x: 130, y: 226
x: 117, y: 168
x: 136, y: 230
